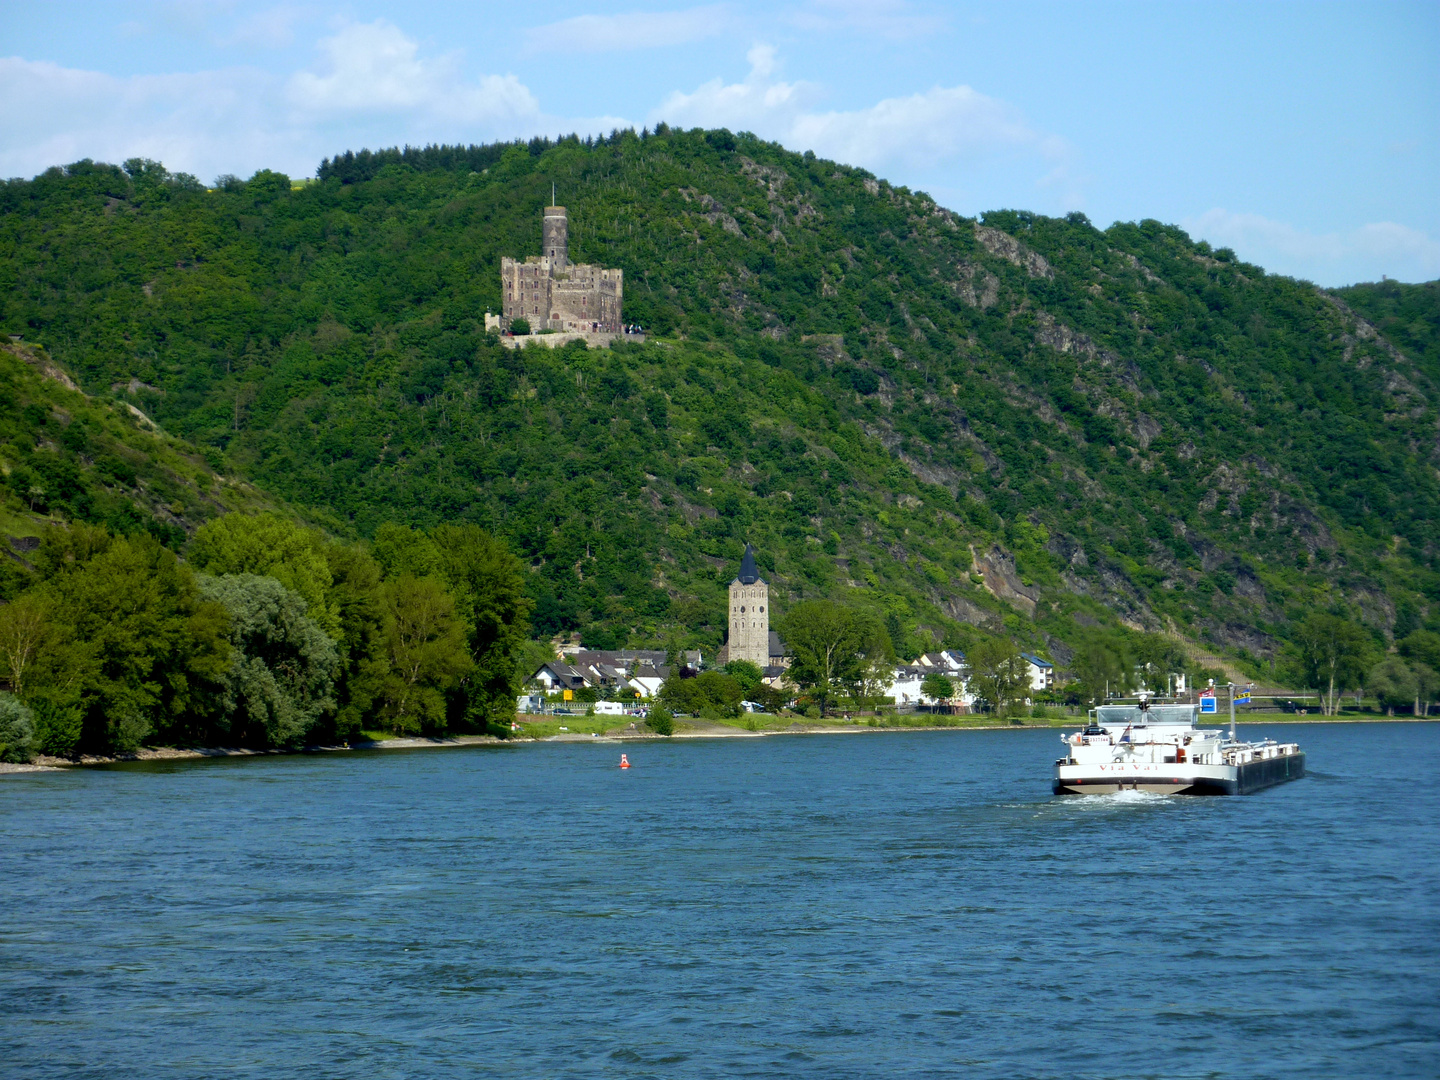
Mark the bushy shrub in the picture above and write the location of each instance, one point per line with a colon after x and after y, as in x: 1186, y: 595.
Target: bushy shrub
x: 17, y: 730
x: 660, y: 721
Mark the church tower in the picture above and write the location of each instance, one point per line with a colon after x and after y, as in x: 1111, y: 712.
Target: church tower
x: 750, y: 614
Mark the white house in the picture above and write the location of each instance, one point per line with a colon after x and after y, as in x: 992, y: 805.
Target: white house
x: 1042, y: 672
x: 558, y: 675
x: 947, y: 662
x: 904, y: 686
x: 647, y: 686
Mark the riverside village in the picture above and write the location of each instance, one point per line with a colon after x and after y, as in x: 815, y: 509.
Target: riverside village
x: 755, y: 661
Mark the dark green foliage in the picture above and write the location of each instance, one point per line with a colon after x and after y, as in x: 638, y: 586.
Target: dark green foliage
x: 937, y: 686
x: 1408, y: 316
x: 865, y: 385
x: 711, y: 693
x: 66, y: 455
x: 281, y: 679
x: 747, y: 675
x: 17, y: 730
x: 998, y: 674
x: 832, y: 646
x: 1393, y: 683
x: 660, y: 720
x: 488, y: 582
x: 133, y: 649
x: 1333, y: 654
x: 297, y: 640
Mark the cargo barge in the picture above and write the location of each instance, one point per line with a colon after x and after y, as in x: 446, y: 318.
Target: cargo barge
x: 1160, y: 748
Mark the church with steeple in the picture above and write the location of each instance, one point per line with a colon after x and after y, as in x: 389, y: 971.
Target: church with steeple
x: 750, y: 635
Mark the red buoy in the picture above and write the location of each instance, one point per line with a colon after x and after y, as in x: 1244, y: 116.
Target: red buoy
x: 624, y: 762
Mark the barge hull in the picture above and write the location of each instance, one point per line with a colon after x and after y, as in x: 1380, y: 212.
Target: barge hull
x: 1243, y: 779
x: 1254, y: 776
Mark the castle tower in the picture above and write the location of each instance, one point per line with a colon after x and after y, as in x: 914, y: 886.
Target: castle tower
x: 556, y: 233
x: 750, y: 614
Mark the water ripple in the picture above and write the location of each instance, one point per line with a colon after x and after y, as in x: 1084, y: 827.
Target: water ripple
x: 910, y: 905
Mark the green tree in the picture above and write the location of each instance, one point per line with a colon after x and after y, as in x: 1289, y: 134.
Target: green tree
x: 1155, y: 658
x: 355, y: 598
x: 399, y: 549
x: 1099, y: 669
x: 425, y: 647
x: 825, y: 641
x: 489, y: 584
x: 998, y: 673
x: 281, y: 679
x: 136, y: 650
x: 17, y: 730
x: 1427, y: 683
x: 1393, y: 683
x: 25, y: 624
x: 1422, y: 646
x: 660, y: 720
x: 711, y: 693
x: 747, y: 674
x: 273, y: 546
x: 1422, y: 649
x: 937, y: 687
x: 876, y: 667
x: 519, y: 327
x: 1332, y: 654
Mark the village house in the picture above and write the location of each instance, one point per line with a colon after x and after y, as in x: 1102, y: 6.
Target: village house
x: 609, y: 670
x: 1042, y: 672
x: 904, y: 686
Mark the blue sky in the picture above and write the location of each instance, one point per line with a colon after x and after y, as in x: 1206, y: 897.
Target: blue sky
x: 1304, y: 135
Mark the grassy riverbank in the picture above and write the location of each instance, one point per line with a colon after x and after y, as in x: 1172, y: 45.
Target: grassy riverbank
x: 578, y: 728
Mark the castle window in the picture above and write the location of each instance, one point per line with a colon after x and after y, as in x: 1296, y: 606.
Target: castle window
x: 742, y: 609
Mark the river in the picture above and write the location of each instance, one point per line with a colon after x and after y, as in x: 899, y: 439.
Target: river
x: 880, y: 905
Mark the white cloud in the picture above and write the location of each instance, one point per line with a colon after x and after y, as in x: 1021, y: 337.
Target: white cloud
x: 757, y: 104
x: 372, y: 86
x: 56, y: 115
x: 375, y: 68
x: 1362, y: 254
x: 920, y: 131
x: 631, y: 30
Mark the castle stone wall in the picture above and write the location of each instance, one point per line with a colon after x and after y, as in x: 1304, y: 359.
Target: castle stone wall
x: 552, y: 293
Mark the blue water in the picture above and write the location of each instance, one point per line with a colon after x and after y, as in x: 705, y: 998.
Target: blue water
x: 886, y: 905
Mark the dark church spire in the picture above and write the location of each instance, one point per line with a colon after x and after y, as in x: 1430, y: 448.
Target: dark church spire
x: 749, y: 575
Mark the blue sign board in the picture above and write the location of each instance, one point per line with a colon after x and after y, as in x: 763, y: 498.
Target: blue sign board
x: 1207, y: 705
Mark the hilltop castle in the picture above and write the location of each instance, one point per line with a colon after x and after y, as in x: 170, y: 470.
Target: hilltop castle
x: 550, y: 292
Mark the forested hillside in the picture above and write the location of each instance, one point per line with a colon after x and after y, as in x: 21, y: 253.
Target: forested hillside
x: 1018, y: 424
x: 65, y: 456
